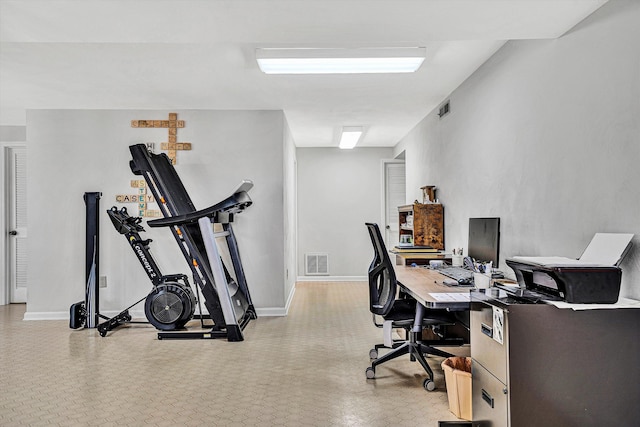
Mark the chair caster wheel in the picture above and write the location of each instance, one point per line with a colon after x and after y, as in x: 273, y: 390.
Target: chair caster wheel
x: 102, y: 333
x: 373, y: 354
x: 429, y: 385
x: 371, y: 373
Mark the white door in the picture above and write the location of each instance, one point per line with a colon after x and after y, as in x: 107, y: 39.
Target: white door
x: 395, y: 192
x: 16, y: 197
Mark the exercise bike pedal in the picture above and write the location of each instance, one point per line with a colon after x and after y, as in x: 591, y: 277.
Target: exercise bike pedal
x: 112, y: 323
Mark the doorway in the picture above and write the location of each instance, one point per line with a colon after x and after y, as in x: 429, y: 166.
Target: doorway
x: 14, y: 221
x: 394, y: 195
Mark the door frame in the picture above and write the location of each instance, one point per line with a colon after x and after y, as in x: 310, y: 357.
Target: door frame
x: 5, y: 146
x: 383, y: 192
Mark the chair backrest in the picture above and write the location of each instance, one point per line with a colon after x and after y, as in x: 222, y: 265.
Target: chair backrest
x: 382, y: 277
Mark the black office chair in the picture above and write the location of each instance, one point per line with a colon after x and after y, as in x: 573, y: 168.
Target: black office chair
x: 402, y: 312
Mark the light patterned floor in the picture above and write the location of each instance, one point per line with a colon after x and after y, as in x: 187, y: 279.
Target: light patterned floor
x: 306, y: 369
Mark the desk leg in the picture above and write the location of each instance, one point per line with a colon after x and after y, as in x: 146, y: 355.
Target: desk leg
x: 417, y: 321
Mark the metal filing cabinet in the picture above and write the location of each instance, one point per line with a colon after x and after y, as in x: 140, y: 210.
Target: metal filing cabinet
x: 489, y: 367
x: 554, y: 367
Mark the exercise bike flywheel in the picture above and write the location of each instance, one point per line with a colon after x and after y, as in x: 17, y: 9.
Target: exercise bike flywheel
x: 170, y: 306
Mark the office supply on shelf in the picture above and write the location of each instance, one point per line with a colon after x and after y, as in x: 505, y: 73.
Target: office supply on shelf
x: 481, y: 280
x: 457, y: 258
x: 469, y: 264
x: 406, y: 313
x: 592, y: 279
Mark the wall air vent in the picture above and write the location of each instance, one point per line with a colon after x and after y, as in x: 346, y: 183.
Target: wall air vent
x: 444, y: 109
x: 316, y: 264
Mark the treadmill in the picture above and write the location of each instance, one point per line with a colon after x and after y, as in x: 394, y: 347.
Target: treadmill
x: 226, y: 297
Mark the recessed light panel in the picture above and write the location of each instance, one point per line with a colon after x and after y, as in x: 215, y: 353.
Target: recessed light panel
x: 350, y: 137
x: 339, y: 61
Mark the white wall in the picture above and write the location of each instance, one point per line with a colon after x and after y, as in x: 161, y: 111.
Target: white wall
x: 338, y: 191
x: 74, y: 151
x: 13, y: 133
x: 545, y: 135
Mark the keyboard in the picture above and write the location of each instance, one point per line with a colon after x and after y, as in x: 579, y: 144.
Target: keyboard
x: 459, y: 274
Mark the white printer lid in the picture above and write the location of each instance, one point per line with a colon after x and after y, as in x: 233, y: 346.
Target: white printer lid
x: 605, y: 249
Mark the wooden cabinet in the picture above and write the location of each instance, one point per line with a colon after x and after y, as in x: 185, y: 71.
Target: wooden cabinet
x: 422, y: 224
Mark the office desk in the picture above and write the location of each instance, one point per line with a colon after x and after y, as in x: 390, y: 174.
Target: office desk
x: 420, y: 283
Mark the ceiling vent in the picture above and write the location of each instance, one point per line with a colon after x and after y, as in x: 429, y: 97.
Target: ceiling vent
x: 444, y: 109
x: 316, y: 264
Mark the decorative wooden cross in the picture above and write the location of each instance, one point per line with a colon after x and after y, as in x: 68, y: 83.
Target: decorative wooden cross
x: 141, y: 198
x: 173, y: 146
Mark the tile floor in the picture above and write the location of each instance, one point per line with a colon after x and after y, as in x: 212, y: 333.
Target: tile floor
x: 306, y: 369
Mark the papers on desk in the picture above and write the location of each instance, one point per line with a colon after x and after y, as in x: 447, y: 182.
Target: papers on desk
x: 622, y: 303
x: 450, y: 296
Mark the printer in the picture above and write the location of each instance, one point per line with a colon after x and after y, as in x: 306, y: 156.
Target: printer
x: 594, y: 278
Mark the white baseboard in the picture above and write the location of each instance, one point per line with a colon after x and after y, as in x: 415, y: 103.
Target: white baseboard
x: 271, y: 312
x: 139, y: 314
x: 46, y: 315
x: 332, y: 278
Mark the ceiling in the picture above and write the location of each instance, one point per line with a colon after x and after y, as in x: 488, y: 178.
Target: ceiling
x: 182, y: 54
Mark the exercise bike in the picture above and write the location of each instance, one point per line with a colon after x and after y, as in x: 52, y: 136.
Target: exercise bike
x: 171, y: 303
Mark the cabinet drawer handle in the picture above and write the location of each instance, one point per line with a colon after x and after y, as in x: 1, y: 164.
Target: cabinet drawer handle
x: 487, y: 398
x: 487, y: 330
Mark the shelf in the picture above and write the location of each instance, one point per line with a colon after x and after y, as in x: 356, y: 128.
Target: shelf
x: 427, y: 224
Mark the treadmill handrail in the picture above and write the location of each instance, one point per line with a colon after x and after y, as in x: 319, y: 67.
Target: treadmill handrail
x: 235, y: 203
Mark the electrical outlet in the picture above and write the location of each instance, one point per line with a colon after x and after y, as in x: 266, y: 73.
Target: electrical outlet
x: 103, y: 281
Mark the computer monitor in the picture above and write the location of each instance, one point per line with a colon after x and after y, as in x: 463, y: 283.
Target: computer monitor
x: 484, y: 239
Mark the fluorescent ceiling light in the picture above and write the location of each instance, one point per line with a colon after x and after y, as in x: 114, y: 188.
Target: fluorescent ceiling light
x: 350, y: 137
x: 340, y: 61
